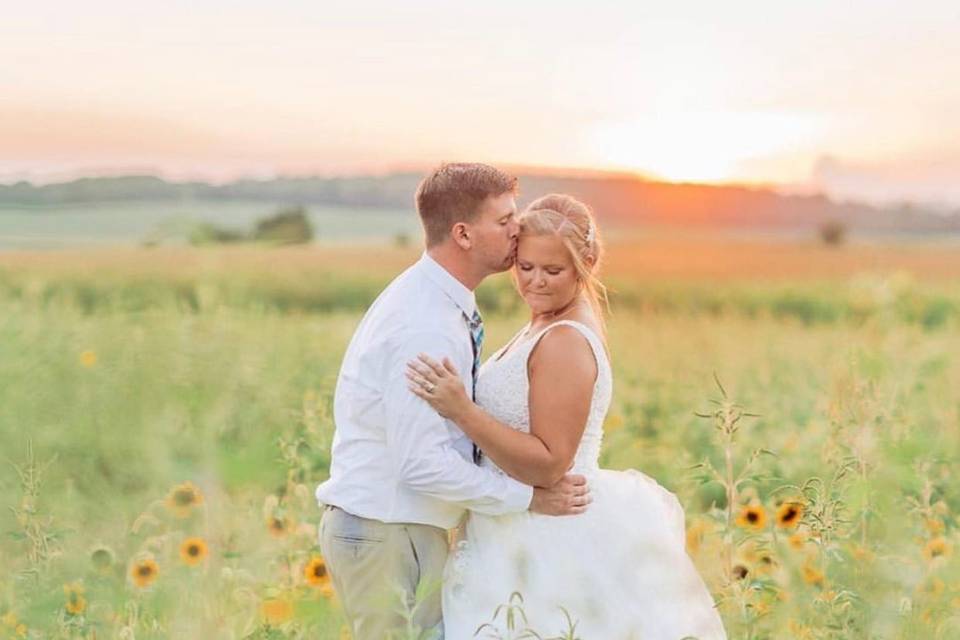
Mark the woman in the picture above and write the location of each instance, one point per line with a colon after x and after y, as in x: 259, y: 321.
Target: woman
x: 619, y: 569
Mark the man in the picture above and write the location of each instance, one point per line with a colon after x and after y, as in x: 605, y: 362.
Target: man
x: 401, y: 475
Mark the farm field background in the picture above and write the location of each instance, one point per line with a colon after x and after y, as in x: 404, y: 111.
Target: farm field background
x: 178, y: 404
x: 107, y: 224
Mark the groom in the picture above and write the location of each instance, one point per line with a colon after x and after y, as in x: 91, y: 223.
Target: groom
x: 401, y: 475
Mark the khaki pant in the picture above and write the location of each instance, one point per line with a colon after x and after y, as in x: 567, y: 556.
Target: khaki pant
x: 387, y: 576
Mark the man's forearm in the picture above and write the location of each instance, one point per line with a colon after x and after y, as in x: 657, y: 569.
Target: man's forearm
x: 445, y: 475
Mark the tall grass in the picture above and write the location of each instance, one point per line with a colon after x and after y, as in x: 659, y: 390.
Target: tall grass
x: 118, y: 385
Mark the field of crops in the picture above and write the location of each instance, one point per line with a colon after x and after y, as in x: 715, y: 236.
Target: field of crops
x: 131, y: 223
x: 165, y: 416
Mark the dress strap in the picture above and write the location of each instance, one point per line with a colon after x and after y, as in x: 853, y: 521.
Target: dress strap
x: 596, y: 344
x: 502, y: 351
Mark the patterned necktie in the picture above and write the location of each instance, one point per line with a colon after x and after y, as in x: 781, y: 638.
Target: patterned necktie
x: 476, y: 340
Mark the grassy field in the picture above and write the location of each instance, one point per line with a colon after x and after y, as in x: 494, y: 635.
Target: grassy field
x: 165, y: 415
x: 106, y: 224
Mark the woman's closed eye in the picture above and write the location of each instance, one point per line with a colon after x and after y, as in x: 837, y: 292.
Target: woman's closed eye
x: 549, y: 272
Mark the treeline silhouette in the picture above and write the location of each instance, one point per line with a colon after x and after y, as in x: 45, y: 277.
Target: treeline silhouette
x: 616, y: 198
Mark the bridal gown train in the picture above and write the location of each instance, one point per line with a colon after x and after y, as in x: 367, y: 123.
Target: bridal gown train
x: 620, y: 570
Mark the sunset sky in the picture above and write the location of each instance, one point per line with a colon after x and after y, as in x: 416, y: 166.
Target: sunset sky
x: 860, y: 99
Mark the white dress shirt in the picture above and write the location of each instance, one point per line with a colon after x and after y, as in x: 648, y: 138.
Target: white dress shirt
x: 395, y: 459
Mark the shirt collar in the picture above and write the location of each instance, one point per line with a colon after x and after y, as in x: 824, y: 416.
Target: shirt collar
x: 453, y: 288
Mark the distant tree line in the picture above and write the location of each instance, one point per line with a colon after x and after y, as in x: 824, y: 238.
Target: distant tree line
x: 617, y: 199
x: 287, y: 226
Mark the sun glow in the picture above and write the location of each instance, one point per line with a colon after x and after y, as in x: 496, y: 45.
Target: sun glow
x: 705, y: 146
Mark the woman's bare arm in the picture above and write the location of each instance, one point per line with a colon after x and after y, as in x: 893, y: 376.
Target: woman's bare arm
x: 562, y: 371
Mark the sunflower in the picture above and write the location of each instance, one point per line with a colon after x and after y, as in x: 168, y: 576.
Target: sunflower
x: 812, y: 575
x: 789, y: 514
x: 76, y: 603
x: 936, y: 548
x: 752, y: 516
x: 183, y: 498
x: 9, y: 619
x: 276, y: 610
x: 193, y: 551
x: 934, y: 526
x: 933, y: 587
x: 144, y: 572
x: 315, y: 572
x: 797, y: 540
x: 766, y: 565
x: 88, y: 359
x: 740, y: 571
x: 695, y: 534
x: 279, y: 526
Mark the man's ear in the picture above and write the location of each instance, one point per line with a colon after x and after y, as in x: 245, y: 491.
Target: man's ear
x: 461, y: 235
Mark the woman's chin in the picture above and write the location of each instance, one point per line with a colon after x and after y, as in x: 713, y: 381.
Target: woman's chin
x: 539, y: 306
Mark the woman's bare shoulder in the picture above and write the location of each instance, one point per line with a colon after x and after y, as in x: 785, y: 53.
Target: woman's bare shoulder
x: 563, y: 346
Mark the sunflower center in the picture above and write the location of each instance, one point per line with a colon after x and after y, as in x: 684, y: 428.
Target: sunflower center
x: 144, y: 570
x: 320, y: 571
x: 193, y: 550
x: 753, y: 516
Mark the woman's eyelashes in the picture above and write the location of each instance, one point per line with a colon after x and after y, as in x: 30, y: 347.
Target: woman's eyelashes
x: 528, y: 267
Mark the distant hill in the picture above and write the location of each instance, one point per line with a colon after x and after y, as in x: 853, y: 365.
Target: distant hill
x: 624, y: 200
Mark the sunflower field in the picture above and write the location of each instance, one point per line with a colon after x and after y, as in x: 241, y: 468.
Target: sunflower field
x: 165, y: 416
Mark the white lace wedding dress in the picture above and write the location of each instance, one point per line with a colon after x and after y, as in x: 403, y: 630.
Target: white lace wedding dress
x: 620, y: 570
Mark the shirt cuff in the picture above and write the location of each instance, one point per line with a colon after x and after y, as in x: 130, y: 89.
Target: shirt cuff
x: 517, y: 496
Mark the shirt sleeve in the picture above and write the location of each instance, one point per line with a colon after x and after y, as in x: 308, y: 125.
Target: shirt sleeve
x: 421, y: 445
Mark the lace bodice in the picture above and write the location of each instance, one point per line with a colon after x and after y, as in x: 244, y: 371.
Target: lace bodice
x: 503, y: 389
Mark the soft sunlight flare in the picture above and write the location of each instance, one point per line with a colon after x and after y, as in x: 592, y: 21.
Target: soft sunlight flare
x: 705, y: 146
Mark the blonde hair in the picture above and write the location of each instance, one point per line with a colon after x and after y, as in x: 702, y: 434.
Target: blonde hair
x: 454, y: 192
x: 574, y: 223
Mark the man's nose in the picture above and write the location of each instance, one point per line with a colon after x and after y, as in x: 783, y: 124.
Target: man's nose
x: 514, y: 229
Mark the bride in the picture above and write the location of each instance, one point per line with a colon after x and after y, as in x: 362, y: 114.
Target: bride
x: 619, y: 569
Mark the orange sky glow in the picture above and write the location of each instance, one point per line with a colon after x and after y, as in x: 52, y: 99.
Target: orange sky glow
x: 857, y: 101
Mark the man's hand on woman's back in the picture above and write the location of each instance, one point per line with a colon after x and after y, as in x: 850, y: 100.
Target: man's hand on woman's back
x: 568, y: 497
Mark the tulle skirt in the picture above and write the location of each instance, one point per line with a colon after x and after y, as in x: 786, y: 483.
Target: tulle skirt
x: 619, y: 571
